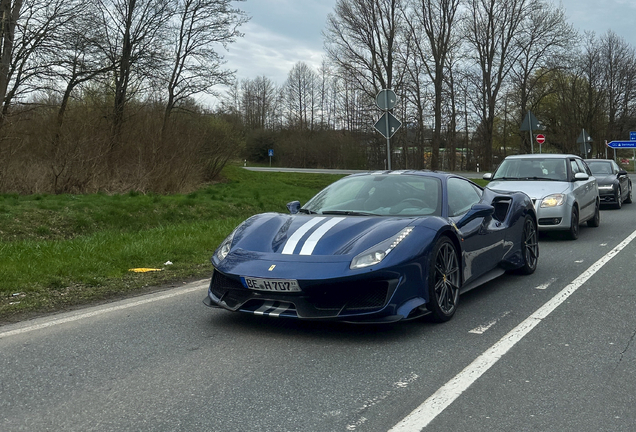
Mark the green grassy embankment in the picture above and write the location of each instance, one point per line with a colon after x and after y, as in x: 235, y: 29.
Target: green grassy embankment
x: 58, y: 251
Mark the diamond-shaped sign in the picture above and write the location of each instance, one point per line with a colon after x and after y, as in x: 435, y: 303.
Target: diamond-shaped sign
x: 381, y: 125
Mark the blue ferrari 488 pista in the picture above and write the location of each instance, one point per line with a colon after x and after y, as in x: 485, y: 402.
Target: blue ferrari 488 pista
x: 375, y: 247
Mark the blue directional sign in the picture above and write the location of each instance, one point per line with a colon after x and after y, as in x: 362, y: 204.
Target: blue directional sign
x: 622, y: 144
x: 632, y: 136
x: 270, y: 152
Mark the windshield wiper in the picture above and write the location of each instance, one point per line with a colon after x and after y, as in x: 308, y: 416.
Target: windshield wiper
x: 506, y: 178
x: 347, y: 213
x: 306, y: 211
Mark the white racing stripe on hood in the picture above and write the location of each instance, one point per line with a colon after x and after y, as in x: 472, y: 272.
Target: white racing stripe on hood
x: 313, y: 239
x: 300, y: 232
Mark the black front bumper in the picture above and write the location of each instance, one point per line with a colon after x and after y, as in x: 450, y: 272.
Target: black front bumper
x: 340, y: 300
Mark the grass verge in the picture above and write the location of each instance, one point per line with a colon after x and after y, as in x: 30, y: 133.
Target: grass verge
x: 58, y: 251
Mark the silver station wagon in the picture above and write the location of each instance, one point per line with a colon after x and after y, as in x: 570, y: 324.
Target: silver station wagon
x: 562, y: 188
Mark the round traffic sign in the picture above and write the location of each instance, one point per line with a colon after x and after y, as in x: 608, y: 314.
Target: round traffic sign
x: 540, y: 138
x: 386, y: 99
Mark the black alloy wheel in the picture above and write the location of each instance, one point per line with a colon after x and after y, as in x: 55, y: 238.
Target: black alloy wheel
x: 596, y: 220
x: 529, y: 247
x: 444, y: 280
x: 573, y: 232
x: 619, y: 198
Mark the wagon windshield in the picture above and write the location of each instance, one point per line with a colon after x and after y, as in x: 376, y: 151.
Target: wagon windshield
x: 380, y: 195
x: 600, y: 168
x: 532, y: 169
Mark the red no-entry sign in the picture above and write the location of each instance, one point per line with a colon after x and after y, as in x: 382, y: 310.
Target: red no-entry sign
x: 540, y: 138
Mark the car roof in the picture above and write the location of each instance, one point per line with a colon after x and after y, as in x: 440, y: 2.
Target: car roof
x: 599, y: 160
x: 542, y: 156
x: 425, y: 173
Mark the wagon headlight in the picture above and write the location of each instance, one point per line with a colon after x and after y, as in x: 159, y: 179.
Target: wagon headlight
x: 378, y: 252
x: 553, y: 200
x: 224, y: 248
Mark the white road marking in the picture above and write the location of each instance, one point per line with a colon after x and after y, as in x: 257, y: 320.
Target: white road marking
x: 546, y: 285
x: 483, y: 328
x: 421, y: 416
x: 315, y: 237
x: 150, y: 299
x: 293, y: 240
x: 376, y: 400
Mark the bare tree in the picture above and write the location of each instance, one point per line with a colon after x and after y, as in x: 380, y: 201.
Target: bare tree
x: 545, y: 40
x: 361, y: 38
x: 491, y: 30
x: 259, y: 102
x: 132, y: 30
x: 30, y: 33
x: 619, y: 78
x: 301, y: 96
x: 194, y: 64
x: 431, y: 24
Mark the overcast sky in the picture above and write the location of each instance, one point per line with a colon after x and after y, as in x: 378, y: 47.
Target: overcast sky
x: 284, y: 32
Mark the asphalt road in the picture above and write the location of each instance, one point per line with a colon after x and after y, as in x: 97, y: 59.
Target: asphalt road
x: 165, y: 362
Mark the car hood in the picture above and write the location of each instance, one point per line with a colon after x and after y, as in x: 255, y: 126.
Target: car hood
x: 605, y: 179
x: 274, y: 234
x: 536, y: 189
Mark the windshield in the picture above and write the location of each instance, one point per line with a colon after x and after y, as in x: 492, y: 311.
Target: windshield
x: 379, y: 195
x: 532, y: 169
x: 600, y: 168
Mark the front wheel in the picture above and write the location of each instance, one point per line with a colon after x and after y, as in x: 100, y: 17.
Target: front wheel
x: 444, y: 280
x: 619, y: 198
x: 529, y: 247
x: 573, y: 232
x: 628, y: 200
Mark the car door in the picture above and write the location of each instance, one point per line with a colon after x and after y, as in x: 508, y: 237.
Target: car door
x: 585, y: 191
x: 482, y: 238
x: 623, y: 179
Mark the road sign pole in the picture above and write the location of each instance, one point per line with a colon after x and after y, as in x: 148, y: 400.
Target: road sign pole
x: 531, y: 139
x: 388, y: 138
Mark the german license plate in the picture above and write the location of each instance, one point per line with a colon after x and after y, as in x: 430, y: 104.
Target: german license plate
x: 278, y: 285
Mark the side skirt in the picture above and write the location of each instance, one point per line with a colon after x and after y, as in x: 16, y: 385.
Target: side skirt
x: 492, y: 274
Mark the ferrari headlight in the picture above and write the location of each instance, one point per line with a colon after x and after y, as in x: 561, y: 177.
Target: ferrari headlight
x: 377, y: 253
x: 553, y: 200
x: 224, y: 248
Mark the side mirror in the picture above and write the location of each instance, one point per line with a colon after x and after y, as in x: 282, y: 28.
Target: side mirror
x: 622, y: 173
x: 581, y: 176
x: 293, y: 207
x: 476, y: 211
x: 487, y: 176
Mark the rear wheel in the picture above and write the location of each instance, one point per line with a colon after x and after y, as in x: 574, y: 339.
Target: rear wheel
x: 444, y: 280
x: 619, y: 198
x: 529, y: 247
x: 596, y: 220
x: 573, y: 232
